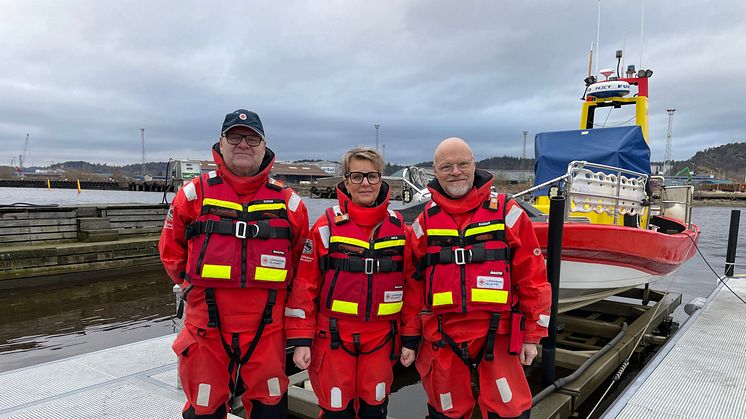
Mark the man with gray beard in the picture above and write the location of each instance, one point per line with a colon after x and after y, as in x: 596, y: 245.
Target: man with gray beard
x: 480, y: 299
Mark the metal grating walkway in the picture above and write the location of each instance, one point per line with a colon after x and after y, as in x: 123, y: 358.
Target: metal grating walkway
x: 131, y: 381
x: 701, y: 372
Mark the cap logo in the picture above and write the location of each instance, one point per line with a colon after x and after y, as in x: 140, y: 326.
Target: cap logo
x: 242, y: 116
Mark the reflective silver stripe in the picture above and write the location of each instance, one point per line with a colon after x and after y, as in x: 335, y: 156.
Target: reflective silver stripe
x: 211, y: 174
x: 446, y: 403
x: 293, y: 202
x: 189, y: 191
x: 513, y: 216
x: 273, y: 387
x: 417, y: 228
x: 543, y: 320
x: 298, y: 313
x: 337, y: 210
x: 380, y: 391
x: 506, y: 394
x: 324, y: 233
x: 203, y: 394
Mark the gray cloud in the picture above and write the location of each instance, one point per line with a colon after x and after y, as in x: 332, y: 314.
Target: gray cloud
x: 82, y: 77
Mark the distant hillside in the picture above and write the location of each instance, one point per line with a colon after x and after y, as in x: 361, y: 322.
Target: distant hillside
x: 728, y: 158
x: 130, y: 170
x: 493, y: 163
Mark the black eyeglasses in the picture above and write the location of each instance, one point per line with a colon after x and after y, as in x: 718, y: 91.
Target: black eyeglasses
x: 235, y: 139
x: 357, y: 177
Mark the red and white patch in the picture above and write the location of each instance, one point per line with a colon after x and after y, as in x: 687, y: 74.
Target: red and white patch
x: 490, y: 282
x: 271, y: 261
x: 393, y: 296
x: 308, y: 247
x: 242, y: 116
x: 537, y: 252
x: 169, y: 223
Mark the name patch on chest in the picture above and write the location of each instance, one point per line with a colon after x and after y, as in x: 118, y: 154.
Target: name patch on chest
x: 490, y: 282
x: 272, y: 261
x: 392, y: 296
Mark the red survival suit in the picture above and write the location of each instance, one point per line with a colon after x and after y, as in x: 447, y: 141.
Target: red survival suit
x: 233, y: 244
x: 480, y: 270
x: 346, y: 303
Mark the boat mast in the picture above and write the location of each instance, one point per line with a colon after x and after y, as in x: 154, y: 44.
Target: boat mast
x: 598, y: 36
x: 642, y: 27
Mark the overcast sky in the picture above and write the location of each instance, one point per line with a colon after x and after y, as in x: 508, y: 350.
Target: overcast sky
x: 82, y: 77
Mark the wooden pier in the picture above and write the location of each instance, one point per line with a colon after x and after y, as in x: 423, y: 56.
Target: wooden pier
x: 131, y: 185
x: 40, y: 241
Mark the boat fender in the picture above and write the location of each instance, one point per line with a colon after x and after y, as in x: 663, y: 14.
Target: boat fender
x: 694, y: 305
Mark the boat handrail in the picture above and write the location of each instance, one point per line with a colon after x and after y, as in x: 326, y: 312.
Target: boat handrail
x: 549, y: 182
x: 676, y: 202
x: 621, y: 192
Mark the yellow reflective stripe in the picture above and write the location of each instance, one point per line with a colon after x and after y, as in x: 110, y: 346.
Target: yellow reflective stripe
x: 216, y: 271
x: 265, y: 207
x: 389, y: 308
x: 270, y: 274
x: 224, y: 204
x: 479, y: 295
x: 442, y: 298
x: 346, y: 307
x: 484, y: 229
x: 389, y: 243
x: 350, y: 240
x: 442, y: 232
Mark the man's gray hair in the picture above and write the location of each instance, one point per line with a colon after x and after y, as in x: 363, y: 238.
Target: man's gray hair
x: 363, y: 153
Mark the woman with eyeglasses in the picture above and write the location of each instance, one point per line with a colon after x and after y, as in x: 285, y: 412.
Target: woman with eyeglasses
x: 343, y: 314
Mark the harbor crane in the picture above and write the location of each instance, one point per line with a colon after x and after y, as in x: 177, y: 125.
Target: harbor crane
x: 26, y: 153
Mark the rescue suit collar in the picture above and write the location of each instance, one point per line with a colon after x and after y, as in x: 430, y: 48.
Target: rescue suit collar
x: 244, y: 185
x: 473, y: 199
x: 364, y: 216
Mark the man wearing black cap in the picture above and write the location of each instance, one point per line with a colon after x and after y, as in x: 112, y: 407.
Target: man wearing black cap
x: 232, y: 240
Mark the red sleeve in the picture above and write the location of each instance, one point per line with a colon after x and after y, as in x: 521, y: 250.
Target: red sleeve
x: 298, y: 217
x: 172, y: 245
x: 300, y: 309
x: 414, y: 289
x: 529, y: 275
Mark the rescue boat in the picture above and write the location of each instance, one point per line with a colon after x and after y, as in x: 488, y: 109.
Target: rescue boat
x: 623, y: 227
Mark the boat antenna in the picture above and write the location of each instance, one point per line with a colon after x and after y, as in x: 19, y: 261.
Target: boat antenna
x: 642, y: 27
x: 624, y: 47
x: 619, y: 54
x: 598, y: 36
x: 590, y: 60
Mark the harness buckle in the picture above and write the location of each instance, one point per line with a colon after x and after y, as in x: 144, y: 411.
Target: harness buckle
x: 370, y: 265
x: 241, y: 228
x: 460, y: 255
x: 209, y: 226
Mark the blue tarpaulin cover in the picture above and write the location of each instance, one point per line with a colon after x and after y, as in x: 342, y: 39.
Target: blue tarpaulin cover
x: 623, y: 147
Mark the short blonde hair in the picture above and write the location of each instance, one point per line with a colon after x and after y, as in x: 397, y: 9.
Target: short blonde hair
x: 363, y: 153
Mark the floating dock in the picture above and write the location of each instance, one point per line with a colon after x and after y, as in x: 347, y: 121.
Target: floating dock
x: 701, y: 371
x: 133, y: 381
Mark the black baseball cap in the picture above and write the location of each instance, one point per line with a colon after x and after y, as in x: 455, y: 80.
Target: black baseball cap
x: 243, y: 118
